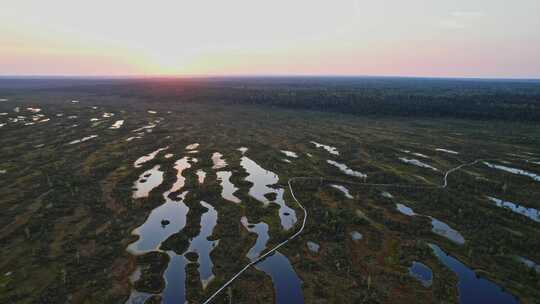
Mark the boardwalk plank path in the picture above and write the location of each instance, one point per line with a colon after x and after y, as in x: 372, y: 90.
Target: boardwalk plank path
x: 443, y: 185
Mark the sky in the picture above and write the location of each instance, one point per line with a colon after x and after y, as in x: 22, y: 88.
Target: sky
x: 435, y: 38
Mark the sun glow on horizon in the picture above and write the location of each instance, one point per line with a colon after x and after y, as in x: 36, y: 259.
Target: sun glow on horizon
x: 240, y: 37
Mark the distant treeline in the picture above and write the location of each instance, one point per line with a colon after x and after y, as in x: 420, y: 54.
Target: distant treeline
x: 517, y: 100
x: 474, y: 99
x: 497, y: 106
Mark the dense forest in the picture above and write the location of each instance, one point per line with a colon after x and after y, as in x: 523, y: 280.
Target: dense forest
x: 414, y: 97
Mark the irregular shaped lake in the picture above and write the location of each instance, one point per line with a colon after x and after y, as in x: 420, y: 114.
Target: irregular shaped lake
x: 329, y: 149
x: 287, y: 284
x: 219, y: 162
x: 202, y: 246
x: 531, y: 213
x: 405, y: 210
x: 418, y: 163
x: 472, y: 289
x: 438, y: 227
x: 344, y: 190
x: 356, y: 236
x: 117, y: 124
x: 529, y: 263
x: 345, y: 169
x: 175, y: 280
x: 143, y: 159
x: 534, y: 176
x: 147, y: 181
x: 201, y: 176
x: 181, y: 165
x: 422, y: 273
x: 227, y: 187
x: 442, y: 229
x: 289, y: 153
x: 192, y: 146
x: 261, y: 179
x: 446, y: 151
x: 82, y: 139
x: 151, y: 233
x: 313, y: 247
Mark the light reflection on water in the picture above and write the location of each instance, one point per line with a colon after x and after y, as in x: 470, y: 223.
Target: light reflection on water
x: 151, y: 233
x: 438, y: 227
x: 218, y: 161
x: 202, y: 246
x: 345, y: 169
x: 147, y: 181
x: 228, y: 188
x: 472, y: 289
x: 534, y: 176
x: 531, y: 213
x: 287, y: 284
x: 261, y: 179
x: 145, y: 158
x: 422, y: 273
x: 344, y: 190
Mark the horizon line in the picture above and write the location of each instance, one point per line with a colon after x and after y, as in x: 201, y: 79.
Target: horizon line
x: 209, y: 76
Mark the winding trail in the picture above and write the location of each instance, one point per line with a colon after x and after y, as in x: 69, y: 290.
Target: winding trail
x: 443, y: 185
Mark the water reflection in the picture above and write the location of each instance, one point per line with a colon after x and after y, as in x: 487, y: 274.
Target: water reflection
x: 534, y: 176
x: 529, y: 263
x: 422, y: 273
x: 201, y: 176
x: 82, y: 139
x: 227, y: 187
x: 313, y: 247
x: 261, y: 229
x: 152, y: 233
x: 164, y: 221
x: 446, y: 151
x: 261, y: 179
x: 420, y: 155
x: 219, y: 162
x: 438, y: 227
x: 387, y: 194
x: 147, y: 181
x: 345, y: 169
x: 405, y: 210
x: 117, y: 124
x: 472, y: 289
x: 175, y: 280
x: 289, y: 153
x: 418, y: 163
x: 442, y: 229
x: 329, y: 149
x: 143, y: 159
x: 137, y: 297
x: 344, y: 190
x: 531, y: 213
x: 148, y: 128
x: 202, y: 246
x: 192, y: 146
x: 287, y: 284
x: 356, y: 236
x: 181, y: 165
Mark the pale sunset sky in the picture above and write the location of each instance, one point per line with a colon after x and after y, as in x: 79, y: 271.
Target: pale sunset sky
x: 458, y: 38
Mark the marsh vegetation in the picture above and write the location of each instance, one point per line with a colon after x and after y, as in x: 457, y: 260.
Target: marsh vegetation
x: 172, y: 202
